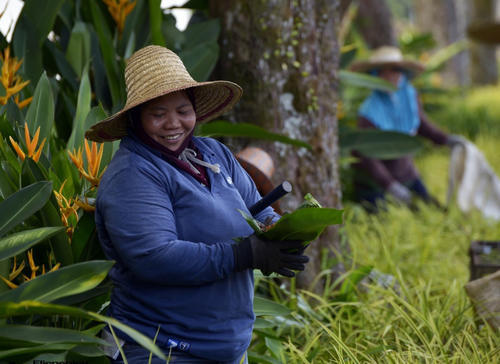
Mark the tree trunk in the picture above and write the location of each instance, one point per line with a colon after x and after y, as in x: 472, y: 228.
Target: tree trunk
x: 285, y: 56
x: 446, y: 20
x: 483, y: 69
x: 374, y: 21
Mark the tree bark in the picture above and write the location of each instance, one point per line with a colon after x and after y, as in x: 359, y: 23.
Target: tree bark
x: 483, y: 68
x: 447, y: 21
x: 374, y: 21
x: 285, y: 56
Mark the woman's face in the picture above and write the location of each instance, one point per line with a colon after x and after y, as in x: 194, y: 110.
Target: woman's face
x: 391, y: 74
x: 169, y: 119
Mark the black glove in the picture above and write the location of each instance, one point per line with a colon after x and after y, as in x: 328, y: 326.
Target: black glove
x: 269, y: 256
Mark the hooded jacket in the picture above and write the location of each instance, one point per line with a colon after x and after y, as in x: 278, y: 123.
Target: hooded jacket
x: 171, y: 238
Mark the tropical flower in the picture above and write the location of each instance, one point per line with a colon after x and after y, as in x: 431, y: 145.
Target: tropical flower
x: 67, y: 208
x: 85, y: 205
x: 34, y: 268
x: 11, y: 82
x: 94, y: 156
x: 119, y: 10
x: 13, y: 275
x: 16, y: 271
x: 30, y: 145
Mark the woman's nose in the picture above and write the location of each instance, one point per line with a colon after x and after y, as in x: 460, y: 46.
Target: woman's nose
x: 171, y: 121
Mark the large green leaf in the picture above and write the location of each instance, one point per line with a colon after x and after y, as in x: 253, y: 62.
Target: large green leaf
x: 108, y: 54
x: 201, y: 59
x: 70, y: 280
x: 64, y: 68
x: 379, y: 144
x: 265, y: 307
x: 364, y: 80
x: 33, y: 172
x: 82, y: 111
x: 22, y: 204
x: 78, y: 50
x: 227, y: 129
x: 41, y: 109
x: 10, y: 309
x: 201, y: 32
x: 304, y: 224
x: 26, y: 352
x: 443, y: 55
x: 155, y: 19
x: 32, y: 28
x: 47, y: 335
x: 19, y: 242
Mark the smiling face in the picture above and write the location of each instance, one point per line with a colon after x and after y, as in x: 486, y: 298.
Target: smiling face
x: 169, y: 119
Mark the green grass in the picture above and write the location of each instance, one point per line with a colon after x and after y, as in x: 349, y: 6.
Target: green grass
x: 427, y: 317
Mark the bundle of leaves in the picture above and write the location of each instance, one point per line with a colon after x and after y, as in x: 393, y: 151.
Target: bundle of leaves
x: 306, y: 223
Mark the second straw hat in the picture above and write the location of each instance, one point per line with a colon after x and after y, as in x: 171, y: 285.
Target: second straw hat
x: 387, y: 56
x: 155, y: 71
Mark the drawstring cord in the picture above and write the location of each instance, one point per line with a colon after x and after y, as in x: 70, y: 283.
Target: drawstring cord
x: 188, y: 155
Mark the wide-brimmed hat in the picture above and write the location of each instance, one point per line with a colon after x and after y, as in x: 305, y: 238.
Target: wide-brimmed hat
x: 154, y: 71
x: 485, y: 32
x: 387, y: 56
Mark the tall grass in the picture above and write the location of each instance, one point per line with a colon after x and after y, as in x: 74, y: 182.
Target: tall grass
x: 426, y: 317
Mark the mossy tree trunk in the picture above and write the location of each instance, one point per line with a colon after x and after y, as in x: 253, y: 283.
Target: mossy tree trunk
x: 285, y: 55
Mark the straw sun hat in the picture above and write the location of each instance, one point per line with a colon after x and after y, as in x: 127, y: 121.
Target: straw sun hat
x: 155, y: 71
x: 387, y: 56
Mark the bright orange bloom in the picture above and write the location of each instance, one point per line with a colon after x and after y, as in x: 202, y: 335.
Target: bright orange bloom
x: 11, y: 82
x: 119, y: 10
x: 94, y: 156
x: 34, y: 268
x: 30, y: 145
x: 85, y: 205
x: 13, y: 275
x: 67, y: 207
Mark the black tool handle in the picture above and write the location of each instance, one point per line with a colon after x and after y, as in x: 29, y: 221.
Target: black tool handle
x: 271, y: 197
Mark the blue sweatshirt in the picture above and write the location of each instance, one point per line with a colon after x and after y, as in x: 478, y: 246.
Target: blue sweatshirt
x: 171, y: 239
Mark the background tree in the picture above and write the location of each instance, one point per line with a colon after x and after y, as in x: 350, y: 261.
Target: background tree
x: 483, y: 58
x: 285, y: 56
x: 446, y: 20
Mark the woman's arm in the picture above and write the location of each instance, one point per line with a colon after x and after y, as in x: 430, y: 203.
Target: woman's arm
x: 138, y: 218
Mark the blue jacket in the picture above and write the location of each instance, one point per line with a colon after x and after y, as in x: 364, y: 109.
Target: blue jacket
x: 171, y: 239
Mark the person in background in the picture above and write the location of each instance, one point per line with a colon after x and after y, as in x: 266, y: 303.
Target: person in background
x: 167, y: 214
x: 399, y: 111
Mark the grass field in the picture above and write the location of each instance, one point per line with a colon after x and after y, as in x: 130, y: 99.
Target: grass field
x: 427, y: 316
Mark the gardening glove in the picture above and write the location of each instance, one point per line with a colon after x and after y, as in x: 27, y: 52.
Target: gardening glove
x: 454, y: 140
x: 399, y: 192
x: 269, y: 256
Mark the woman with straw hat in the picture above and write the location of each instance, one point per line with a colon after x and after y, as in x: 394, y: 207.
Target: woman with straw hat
x: 167, y: 213
x: 398, y: 111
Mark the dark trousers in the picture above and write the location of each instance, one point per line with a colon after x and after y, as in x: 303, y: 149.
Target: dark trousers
x: 136, y: 354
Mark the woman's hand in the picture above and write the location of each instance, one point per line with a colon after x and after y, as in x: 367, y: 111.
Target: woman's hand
x: 269, y: 256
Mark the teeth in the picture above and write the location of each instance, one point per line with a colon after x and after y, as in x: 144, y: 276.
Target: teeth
x: 172, y: 137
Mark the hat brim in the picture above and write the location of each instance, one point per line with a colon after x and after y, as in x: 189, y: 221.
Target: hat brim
x: 367, y: 66
x: 486, y: 32
x: 212, y: 99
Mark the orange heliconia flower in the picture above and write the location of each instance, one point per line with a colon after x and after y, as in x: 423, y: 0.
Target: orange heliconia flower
x: 94, y: 156
x: 11, y: 82
x: 119, y: 10
x: 30, y: 145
